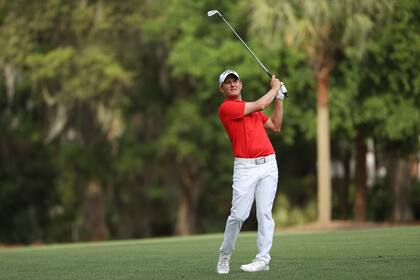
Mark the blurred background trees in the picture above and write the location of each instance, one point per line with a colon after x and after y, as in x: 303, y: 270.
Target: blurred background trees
x: 109, y: 128
x: 329, y: 32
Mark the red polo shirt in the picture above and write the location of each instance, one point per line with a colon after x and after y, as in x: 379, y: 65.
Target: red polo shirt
x: 246, y: 132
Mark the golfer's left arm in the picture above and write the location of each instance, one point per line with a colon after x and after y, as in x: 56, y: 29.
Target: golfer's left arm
x: 276, y: 119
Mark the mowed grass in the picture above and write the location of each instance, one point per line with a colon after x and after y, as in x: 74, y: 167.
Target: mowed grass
x: 392, y: 253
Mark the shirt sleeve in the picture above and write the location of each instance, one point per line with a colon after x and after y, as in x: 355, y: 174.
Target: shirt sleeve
x: 231, y: 110
x: 264, y: 117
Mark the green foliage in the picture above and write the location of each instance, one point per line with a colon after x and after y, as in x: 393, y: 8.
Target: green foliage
x: 393, y: 92
x: 97, y: 72
x: 286, y: 214
x: 27, y: 190
x: 319, y: 27
x: 380, y: 202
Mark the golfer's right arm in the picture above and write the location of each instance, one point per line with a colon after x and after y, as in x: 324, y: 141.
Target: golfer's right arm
x: 264, y: 101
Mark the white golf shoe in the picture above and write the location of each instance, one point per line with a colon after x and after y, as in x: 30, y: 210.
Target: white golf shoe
x: 223, y: 264
x: 255, y: 265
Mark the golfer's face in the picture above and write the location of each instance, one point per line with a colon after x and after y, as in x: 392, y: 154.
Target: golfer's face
x: 232, y: 87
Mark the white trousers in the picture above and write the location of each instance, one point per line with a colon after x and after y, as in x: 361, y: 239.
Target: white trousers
x: 252, y: 179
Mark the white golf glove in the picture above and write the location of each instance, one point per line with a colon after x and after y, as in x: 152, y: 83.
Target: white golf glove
x: 282, y: 91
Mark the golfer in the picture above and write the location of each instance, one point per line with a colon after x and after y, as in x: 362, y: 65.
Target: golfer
x: 255, y: 171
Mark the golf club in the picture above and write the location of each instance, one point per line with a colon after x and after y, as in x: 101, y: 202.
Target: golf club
x: 212, y: 13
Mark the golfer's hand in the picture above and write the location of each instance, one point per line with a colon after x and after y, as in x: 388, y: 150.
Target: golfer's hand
x: 275, y: 83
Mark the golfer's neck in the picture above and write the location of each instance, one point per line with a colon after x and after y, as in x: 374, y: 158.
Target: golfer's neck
x: 239, y: 97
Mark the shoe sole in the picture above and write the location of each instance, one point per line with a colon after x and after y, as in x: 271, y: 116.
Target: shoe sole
x: 266, y: 268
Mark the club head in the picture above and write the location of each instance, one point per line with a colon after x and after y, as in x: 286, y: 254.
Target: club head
x: 212, y: 13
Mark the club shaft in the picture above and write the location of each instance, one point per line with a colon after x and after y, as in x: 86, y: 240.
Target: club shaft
x: 239, y: 37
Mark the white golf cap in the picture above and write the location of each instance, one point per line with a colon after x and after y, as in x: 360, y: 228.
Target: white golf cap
x: 226, y: 73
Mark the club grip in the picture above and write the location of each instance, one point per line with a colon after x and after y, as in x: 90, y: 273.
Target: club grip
x: 283, y: 88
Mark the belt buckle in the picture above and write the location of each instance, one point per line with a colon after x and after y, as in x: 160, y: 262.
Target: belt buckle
x: 259, y: 161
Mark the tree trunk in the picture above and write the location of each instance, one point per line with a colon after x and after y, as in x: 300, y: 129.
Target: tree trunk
x: 360, y: 177
x: 186, y: 218
x: 188, y: 204
x: 323, y: 150
x: 345, y: 186
x: 401, y: 189
x: 94, y: 225
x: 183, y: 222
x: 134, y: 214
x: 10, y: 74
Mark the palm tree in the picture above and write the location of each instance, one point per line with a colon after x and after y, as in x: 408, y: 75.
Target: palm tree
x: 324, y: 30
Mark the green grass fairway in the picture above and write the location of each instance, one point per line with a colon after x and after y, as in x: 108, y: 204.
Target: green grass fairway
x: 392, y: 253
